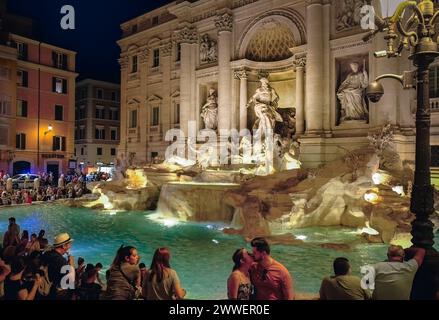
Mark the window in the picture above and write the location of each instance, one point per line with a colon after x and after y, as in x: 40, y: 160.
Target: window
x: 82, y: 113
x: 113, y: 95
x: 59, y: 143
x: 22, y: 50
x: 59, y: 60
x: 4, y: 73
x: 82, y: 151
x: 4, y: 135
x: 99, y: 93
x: 59, y: 113
x: 5, y: 105
x: 113, y: 151
x: 134, y: 28
x: 100, y: 112
x: 133, y: 64
x: 155, y: 21
x: 22, y: 78
x: 59, y: 85
x: 177, y: 113
x: 20, y: 141
x: 178, y: 52
x: 114, y: 114
x: 155, y: 116
x: 81, y: 133
x: 99, y: 151
x: 113, y: 134
x: 156, y: 58
x: 21, y: 108
x: 133, y: 119
x: 100, y: 133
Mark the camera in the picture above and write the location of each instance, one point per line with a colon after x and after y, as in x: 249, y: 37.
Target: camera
x: 374, y: 91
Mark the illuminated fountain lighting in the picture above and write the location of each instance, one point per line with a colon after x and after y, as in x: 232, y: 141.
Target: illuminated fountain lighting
x: 380, y: 178
x: 291, y: 163
x: 369, y: 230
x: 399, y: 190
x: 372, y: 197
x: 136, y: 179
x: 106, y: 202
x: 167, y: 222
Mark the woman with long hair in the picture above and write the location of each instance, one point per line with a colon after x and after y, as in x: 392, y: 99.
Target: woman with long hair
x: 124, y: 275
x: 161, y: 281
x: 239, y: 286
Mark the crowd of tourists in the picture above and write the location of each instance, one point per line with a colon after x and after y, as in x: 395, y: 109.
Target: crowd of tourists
x: 67, y: 187
x: 30, y: 269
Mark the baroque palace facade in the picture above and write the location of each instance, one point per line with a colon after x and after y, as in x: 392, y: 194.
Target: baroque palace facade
x: 311, y: 51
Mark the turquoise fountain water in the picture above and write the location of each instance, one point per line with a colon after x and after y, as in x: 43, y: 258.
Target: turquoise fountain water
x: 201, y: 253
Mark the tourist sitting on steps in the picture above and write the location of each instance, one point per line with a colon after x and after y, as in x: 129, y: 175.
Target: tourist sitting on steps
x: 394, y: 277
x: 239, y: 286
x: 271, y: 279
x: 124, y: 275
x: 15, y: 286
x: 55, y: 261
x: 343, y: 285
x: 162, y: 282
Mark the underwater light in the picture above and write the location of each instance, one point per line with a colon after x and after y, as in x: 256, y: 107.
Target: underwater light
x: 301, y: 237
x: 170, y: 223
x: 215, y: 241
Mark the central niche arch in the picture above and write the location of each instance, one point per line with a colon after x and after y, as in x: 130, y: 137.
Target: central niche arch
x: 272, y: 42
x: 269, y: 37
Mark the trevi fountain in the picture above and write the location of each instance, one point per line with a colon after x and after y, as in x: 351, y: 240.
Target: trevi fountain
x: 353, y: 206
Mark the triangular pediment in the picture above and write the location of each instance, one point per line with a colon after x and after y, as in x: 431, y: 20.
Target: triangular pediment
x: 176, y: 94
x: 154, y: 98
x: 133, y: 101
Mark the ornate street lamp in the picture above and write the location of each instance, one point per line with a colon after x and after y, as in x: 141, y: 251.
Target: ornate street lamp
x: 412, y: 27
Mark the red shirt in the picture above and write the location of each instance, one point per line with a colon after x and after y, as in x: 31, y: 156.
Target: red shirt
x: 271, y: 282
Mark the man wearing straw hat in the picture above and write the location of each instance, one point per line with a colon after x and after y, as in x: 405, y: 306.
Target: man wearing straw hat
x: 55, y: 261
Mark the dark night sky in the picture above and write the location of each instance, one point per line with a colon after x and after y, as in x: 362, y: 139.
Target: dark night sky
x: 97, y: 30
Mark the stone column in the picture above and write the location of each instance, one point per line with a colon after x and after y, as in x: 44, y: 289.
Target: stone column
x: 224, y: 24
x: 385, y: 111
x: 165, y: 108
x: 300, y: 64
x: 142, y: 147
x: 123, y: 61
x: 314, y: 67
x: 243, y: 99
x: 186, y: 37
x: 326, y: 103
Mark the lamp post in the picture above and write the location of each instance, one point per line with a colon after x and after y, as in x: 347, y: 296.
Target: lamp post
x: 412, y: 27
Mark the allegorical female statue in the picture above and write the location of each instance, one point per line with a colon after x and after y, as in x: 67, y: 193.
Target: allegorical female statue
x: 209, y: 111
x: 265, y: 102
x: 351, y: 94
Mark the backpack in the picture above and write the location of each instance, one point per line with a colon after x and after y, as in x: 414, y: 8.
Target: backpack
x: 44, y: 287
